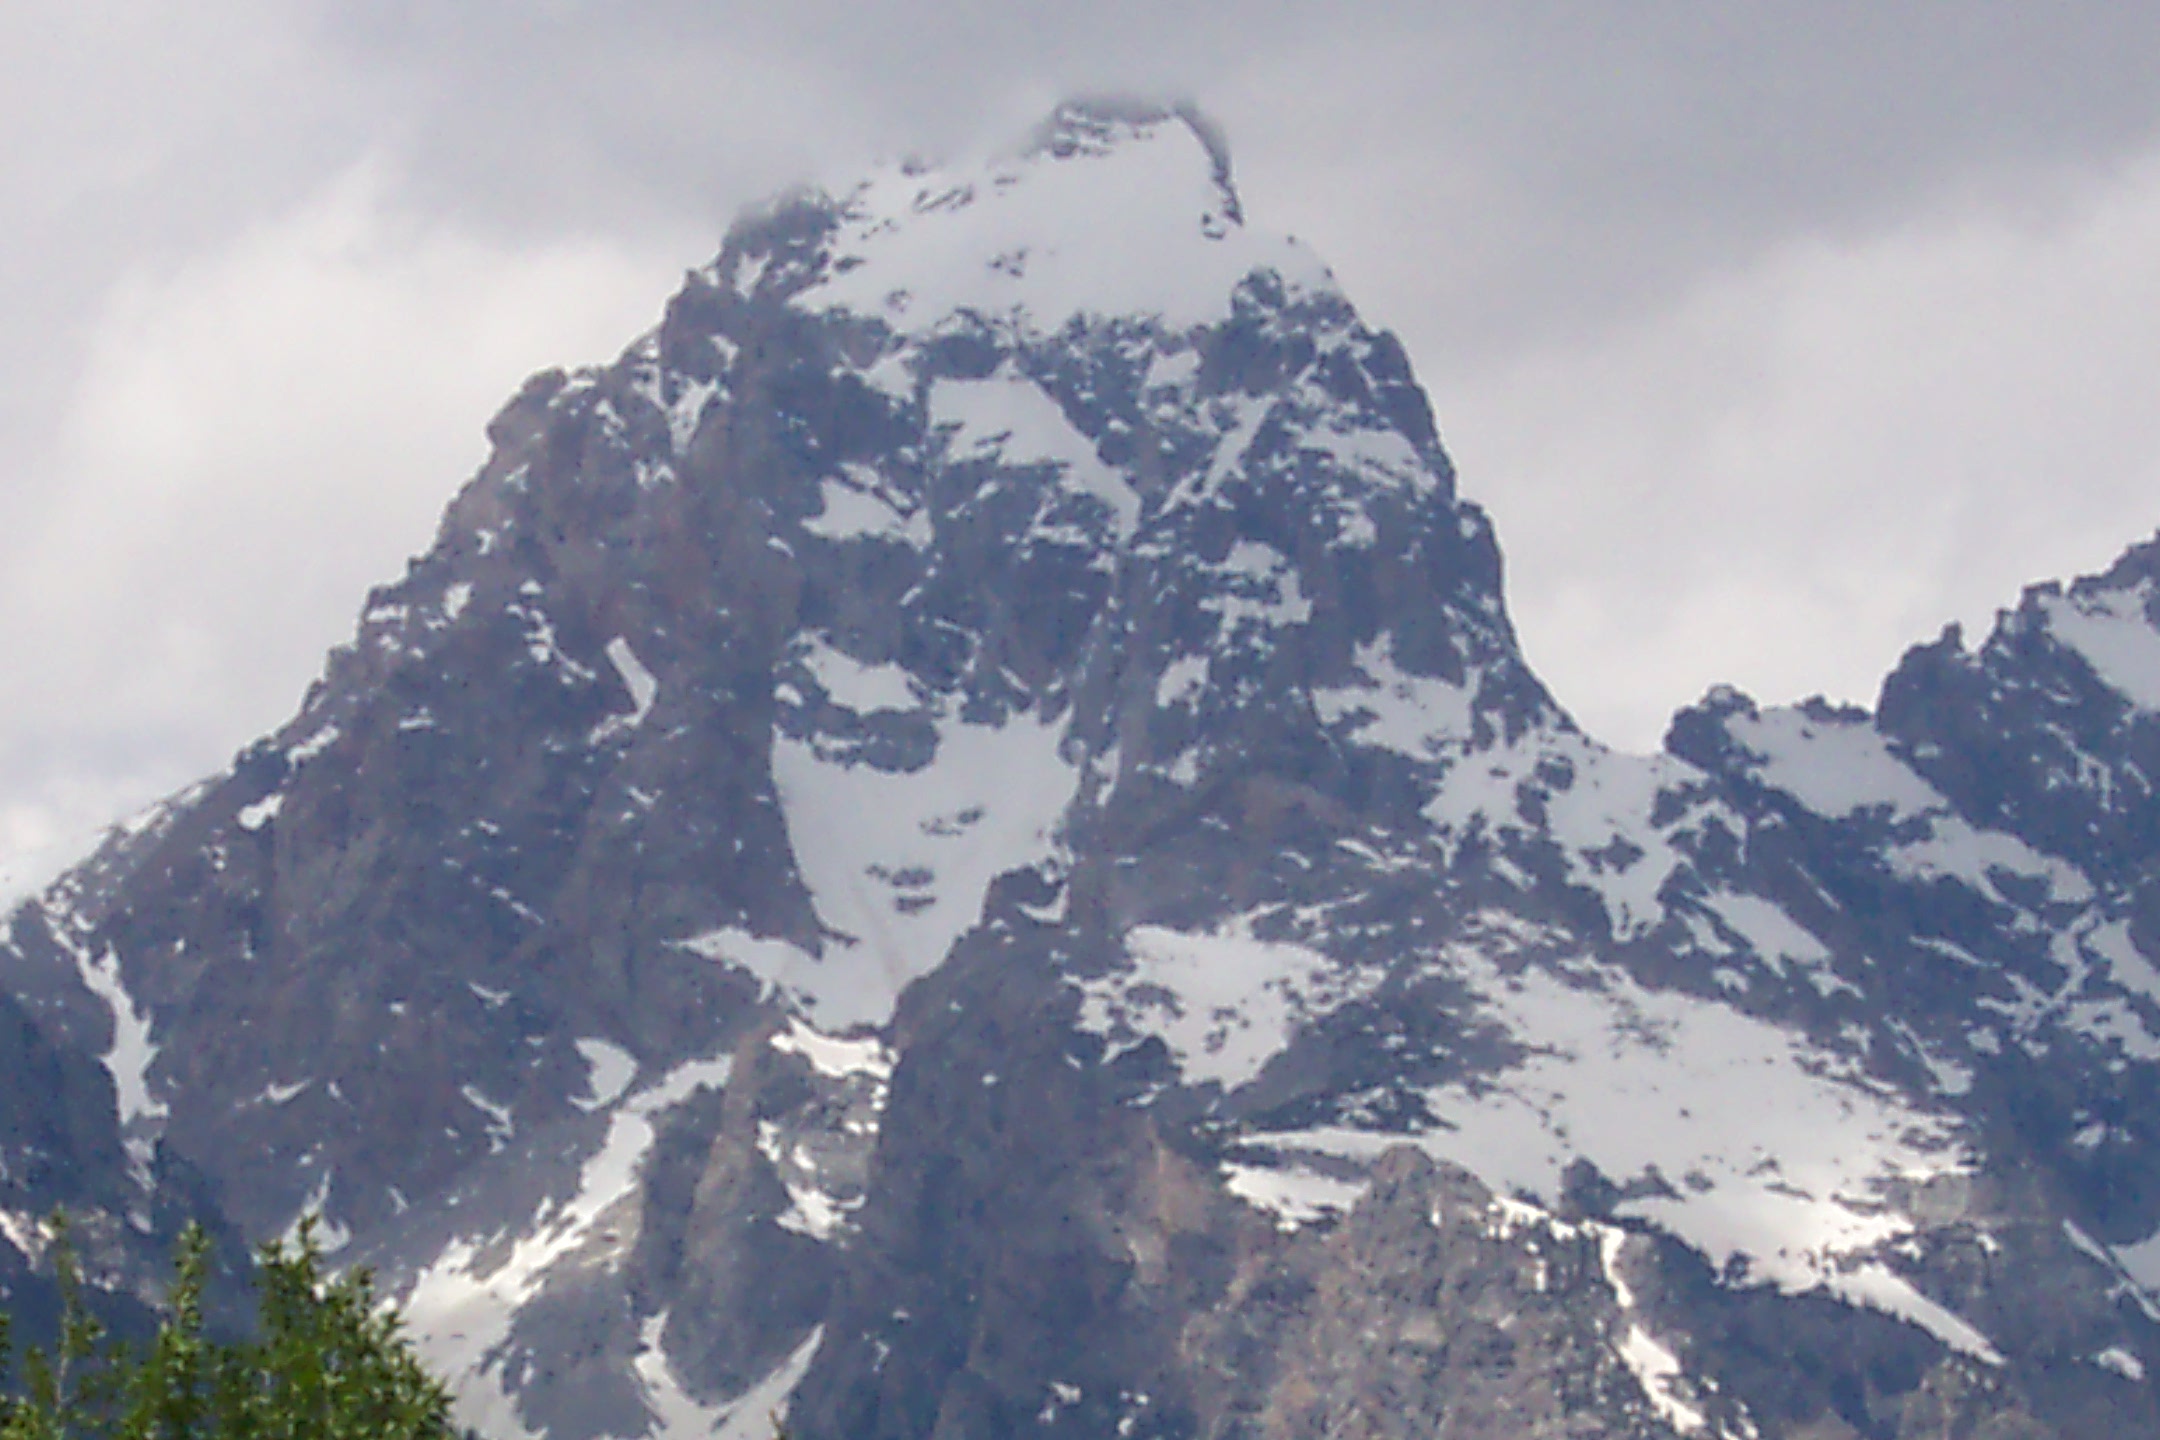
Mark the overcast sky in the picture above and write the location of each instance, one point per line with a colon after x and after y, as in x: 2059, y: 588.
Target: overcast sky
x: 1774, y: 337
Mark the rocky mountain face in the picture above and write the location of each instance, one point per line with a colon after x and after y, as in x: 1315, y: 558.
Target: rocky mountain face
x: 959, y: 844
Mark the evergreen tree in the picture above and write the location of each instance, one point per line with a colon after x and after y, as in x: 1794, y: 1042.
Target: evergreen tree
x: 326, y: 1363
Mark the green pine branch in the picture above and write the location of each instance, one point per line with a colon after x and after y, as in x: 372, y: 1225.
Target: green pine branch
x: 326, y: 1362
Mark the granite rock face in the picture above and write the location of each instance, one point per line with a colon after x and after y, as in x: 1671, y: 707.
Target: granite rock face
x: 959, y: 844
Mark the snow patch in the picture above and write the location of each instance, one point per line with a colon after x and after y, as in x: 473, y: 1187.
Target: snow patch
x: 899, y: 863
x: 1877, y: 1287
x: 1768, y: 930
x: 2141, y: 1262
x: 1372, y: 454
x: 834, y: 1057
x: 673, y: 1410
x: 541, y: 643
x: 1182, y: 679
x: 314, y: 1220
x: 860, y: 507
x: 1240, y: 418
x: 1773, y: 1161
x: 853, y: 685
x: 2122, y: 1362
x: 1658, y: 1371
x: 281, y: 1094
x: 1654, y: 1366
x: 1294, y: 1195
x: 501, y: 1127
x: 757, y: 1414
x: 26, y: 1233
x: 2110, y: 632
x: 609, y: 1071
x: 1598, y: 805
x: 1224, y: 1002
x: 313, y: 746
x: 684, y: 415
x: 812, y: 1210
x: 1834, y: 766
x: 1009, y: 421
x: 1602, y: 821
x: 127, y: 1060
x: 1390, y: 709
x: 644, y: 689
x: 460, y: 1308
x: 262, y: 812
x: 1257, y: 586
x: 780, y: 964
x: 1955, y: 850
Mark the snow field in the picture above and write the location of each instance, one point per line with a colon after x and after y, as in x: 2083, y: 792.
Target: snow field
x: 461, y: 1307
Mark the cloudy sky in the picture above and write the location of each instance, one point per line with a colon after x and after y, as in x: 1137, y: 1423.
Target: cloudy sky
x: 1774, y: 337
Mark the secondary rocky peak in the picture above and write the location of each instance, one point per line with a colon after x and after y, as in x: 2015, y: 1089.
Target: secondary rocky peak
x: 2051, y: 725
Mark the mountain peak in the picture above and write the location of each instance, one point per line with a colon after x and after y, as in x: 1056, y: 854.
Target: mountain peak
x: 994, y: 708
x: 1114, y: 209
x: 1097, y: 125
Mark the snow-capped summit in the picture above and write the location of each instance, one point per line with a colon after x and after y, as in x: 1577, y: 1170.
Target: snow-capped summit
x: 1110, y: 214
x: 959, y: 843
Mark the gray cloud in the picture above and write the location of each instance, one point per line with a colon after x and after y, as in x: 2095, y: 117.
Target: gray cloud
x: 1772, y: 337
x: 1609, y: 152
